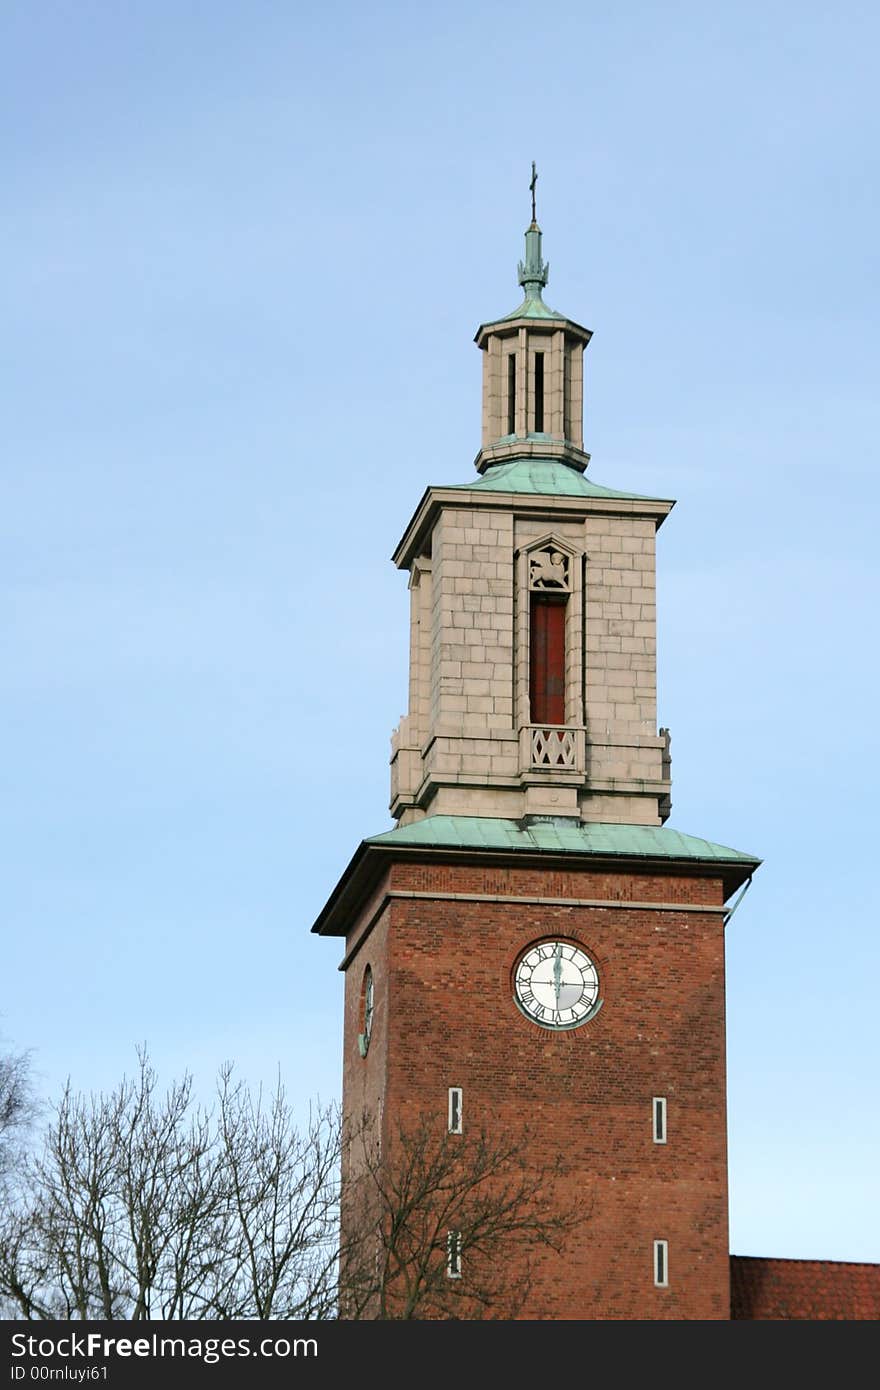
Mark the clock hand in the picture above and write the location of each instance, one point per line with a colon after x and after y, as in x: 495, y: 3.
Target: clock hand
x: 557, y: 971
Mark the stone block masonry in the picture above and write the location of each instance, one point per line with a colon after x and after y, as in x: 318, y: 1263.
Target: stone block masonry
x: 470, y: 719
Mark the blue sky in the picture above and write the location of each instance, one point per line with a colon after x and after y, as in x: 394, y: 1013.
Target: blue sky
x: 246, y: 247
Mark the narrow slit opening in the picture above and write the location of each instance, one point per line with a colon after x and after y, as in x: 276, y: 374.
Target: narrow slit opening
x: 455, y: 1110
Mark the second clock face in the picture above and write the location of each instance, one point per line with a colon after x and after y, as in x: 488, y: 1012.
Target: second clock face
x: 557, y: 985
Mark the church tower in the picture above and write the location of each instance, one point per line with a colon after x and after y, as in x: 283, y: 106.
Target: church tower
x: 531, y: 943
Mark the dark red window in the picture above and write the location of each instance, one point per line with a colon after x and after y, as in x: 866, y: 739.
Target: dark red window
x: 547, y: 661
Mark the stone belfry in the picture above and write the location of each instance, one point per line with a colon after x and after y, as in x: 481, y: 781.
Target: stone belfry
x: 531, y: 944
x: 533, y: 620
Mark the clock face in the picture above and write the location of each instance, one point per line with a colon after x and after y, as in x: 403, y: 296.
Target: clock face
x: 557, y: 985
x: 364, y: 1039
x: 368, y: 1003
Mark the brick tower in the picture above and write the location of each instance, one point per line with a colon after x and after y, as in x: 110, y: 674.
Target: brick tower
x: 532, y: 942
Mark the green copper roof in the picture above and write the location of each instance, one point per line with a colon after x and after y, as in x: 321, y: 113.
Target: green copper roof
x: 532, y: 307
x: 561, y: 836
x: 576, y: 841
x: 547, y: 476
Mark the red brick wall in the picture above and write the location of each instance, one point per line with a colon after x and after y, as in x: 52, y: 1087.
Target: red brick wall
x: 445, y: 1016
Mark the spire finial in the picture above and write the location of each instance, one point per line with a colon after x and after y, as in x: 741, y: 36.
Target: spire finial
x: 533, y: 272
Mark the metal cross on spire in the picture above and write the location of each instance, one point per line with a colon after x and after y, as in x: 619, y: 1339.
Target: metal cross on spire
x: 532, y: 271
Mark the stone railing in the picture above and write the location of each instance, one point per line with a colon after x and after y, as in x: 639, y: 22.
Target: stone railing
x: 551, y: 746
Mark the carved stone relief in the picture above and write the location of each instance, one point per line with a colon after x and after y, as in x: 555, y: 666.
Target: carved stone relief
x: 549, y: 569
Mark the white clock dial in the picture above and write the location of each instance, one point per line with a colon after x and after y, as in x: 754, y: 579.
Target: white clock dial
x: 366, y: 1012
x: 557, y: 985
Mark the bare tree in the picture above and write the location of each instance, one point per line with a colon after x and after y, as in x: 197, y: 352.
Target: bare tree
x: 17, y: 1108
x: 442, y: 1225
x: 284, y: 1193
x: 144, y: 1205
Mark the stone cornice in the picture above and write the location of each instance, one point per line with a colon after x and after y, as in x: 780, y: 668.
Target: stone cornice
x: 434, y: 499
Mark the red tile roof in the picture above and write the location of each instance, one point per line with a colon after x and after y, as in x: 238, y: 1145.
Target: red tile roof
x: 803, y: 1289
